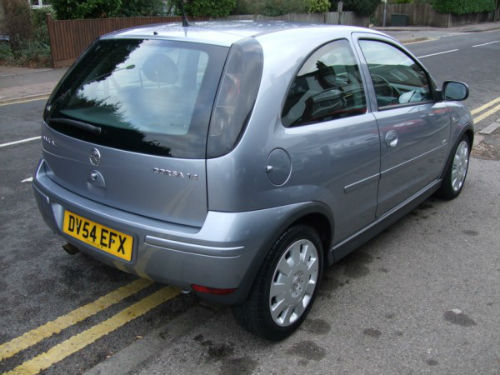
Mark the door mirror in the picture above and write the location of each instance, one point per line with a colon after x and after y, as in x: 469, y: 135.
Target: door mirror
x: 455, y: 91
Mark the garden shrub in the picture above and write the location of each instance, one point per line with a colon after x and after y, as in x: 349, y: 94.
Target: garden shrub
x: 459, y: 7
x: 29, y: 43
x: 6, y: 55
x: 361, y: 7
x: 33, y: 53
x: 74, y: 9
x: 134, y: 8
x: 317, y: 6
x: 18, y: 21
x: 207, y: 8
x: 243, y: 7
x: 39, y: 20
x: 274, y: 8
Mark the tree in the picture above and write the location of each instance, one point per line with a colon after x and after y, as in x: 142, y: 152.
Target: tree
x: 361, y: 7
x: 18, y: 22
x: 141, y: 8
x: 463, y: 6
x: 272, y: 8
x: 317, y: 6
x: 207, y: 8
x: 72, y: 9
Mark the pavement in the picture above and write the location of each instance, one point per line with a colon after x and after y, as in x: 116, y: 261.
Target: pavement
x: 412, y: 34
x: 18, y: 84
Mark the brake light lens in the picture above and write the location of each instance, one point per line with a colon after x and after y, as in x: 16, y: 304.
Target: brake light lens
x: 207, y: 290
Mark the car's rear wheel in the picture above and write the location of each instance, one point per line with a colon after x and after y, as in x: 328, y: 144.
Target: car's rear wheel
x: 456, y: 173
x: 285, y: 287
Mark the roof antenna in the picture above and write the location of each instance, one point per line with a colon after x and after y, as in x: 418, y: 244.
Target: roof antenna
x: 185, y: 22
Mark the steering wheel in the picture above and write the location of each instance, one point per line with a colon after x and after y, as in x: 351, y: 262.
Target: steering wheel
x: 394, y: 92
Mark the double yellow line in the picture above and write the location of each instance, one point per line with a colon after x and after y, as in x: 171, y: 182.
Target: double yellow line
x: 75, y: 343
x: 488, y: 113
x: 23, y: 100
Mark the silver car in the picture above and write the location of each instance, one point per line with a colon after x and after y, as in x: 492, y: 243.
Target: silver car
x: 238, y: 160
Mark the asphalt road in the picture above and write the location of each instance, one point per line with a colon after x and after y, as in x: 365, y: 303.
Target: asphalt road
x: 423, y: 297
x: 465, y: 59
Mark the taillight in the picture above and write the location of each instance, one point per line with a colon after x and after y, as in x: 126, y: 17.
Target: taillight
x: 207, y: 290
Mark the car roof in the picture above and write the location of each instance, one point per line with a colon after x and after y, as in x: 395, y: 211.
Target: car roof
x: 225, y: 33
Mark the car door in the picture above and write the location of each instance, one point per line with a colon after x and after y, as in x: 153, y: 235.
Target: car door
x: 333, y: 137
x: 414, y: 129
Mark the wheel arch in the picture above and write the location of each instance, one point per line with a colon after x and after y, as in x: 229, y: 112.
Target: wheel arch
x: 314, y: 214
x: 467, y: 131
x: 321, y: 224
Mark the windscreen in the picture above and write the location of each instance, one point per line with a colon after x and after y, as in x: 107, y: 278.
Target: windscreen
x: 149, y: 96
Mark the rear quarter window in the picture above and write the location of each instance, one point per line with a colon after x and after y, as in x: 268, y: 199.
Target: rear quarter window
x: 328, y: 86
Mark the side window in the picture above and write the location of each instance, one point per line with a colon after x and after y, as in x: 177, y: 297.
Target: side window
x: 397, y: 78
x: 327, y: 87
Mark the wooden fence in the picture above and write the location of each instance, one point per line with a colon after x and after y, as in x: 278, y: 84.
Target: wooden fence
x: 69, y: 38
x: 347, y: 18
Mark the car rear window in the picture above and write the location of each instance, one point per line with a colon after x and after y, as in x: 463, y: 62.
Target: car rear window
x: 149, y: 96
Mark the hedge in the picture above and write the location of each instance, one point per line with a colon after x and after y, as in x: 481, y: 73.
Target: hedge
x: 361, y: 7
x: 459, y: 7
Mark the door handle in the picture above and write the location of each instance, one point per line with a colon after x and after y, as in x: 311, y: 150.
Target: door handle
x: 391, y: 138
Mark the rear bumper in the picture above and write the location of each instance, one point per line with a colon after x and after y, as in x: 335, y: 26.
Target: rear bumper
x: 223, y: 253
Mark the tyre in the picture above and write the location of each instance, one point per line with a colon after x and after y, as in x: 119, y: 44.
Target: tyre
x: 285, y: 286
x: 454, y: 177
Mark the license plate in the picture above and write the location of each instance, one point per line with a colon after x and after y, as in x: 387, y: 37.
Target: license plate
x: 104, y: 238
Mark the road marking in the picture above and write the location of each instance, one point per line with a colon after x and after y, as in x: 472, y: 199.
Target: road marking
x: 19, y: 142
x: 29, y: 179
x: 75, y: 343
x: 20, y: 101
x: 484, y: 106
x: 36, y: 335
x: 490, y: 128
x: 485, y: 44
x: 417, y: 40
x: 487, y: 114
x: 438, y: 53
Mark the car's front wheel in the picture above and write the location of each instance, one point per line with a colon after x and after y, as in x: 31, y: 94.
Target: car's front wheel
x: 285, y: 286
x: 455, y: 175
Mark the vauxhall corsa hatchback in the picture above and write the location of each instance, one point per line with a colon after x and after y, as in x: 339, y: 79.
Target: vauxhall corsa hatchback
x: 238, y: 160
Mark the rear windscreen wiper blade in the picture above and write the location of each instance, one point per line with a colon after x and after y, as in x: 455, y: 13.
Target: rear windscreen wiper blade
x: 78, y: 124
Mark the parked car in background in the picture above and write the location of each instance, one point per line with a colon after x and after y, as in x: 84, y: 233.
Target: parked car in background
x: 238, y: 160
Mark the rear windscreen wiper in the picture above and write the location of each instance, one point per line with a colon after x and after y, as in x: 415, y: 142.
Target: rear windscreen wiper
x: 78, y: 124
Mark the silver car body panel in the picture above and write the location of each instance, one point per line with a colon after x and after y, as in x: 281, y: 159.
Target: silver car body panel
x: 217, y: 254
x: 216, y: 229
x: 421, y: 134
x: 147, y: 185
x: 326, y: 157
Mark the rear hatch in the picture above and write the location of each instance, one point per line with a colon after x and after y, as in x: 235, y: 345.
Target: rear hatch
x: 127, y: 126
